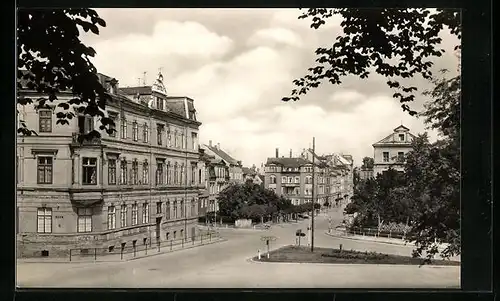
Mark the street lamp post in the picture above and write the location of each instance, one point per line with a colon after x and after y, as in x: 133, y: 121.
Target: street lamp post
x: 312, y: 201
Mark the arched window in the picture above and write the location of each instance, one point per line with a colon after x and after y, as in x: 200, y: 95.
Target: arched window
x: 273, y: 179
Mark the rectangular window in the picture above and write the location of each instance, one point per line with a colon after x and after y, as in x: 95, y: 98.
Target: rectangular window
x: 145, y: 213
x: 145, y: 173
x: 44, y: 170
x: 159, y: 134
x: 113, y: 126
x: 167, y: 211
x: 283, y: 180
x: 158, y: 207
x: 194, y: 140
x: 123, y: 216
x: 159, y: 173
x: 175, y: 209
x: 85, y: 124
x: 111, y: 218
x: 182, y: 209
x: 89, y: 171
x: 112, y: 171
x: 145, y: 133
x: 297, y: 180
x: 84, y: 220
x: 193, y: 208
x: 135, y: 172
x: 135, y: 131
x: 386, y: 156
x: 193, y: 174
x: 159, y: 103
x: 45, y: 121
x: 401, y: 156
x: 123, y: 129
x: 44, y: 220
x: 123, y: 172
x: 401, y: 137
x: 135, y: 214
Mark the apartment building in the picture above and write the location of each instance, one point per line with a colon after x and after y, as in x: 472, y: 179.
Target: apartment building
x: 235, y: 167
x: 135, y: 186
x: 391, y: 151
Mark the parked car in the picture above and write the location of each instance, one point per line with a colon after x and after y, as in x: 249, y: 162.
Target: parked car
x: 304, y: 216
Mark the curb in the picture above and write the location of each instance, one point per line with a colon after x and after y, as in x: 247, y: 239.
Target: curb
x: 121, y: 260
x: 368, y: 240
x: 251, y: 260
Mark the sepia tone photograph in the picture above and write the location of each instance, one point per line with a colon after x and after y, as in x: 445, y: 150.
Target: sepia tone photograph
x: 238, y: 148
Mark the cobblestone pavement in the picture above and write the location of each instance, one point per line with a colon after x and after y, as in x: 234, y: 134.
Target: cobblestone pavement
x: 226, y: 264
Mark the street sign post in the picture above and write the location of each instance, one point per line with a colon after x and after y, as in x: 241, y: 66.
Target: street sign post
x: 268, y: 240
x: 299, y: 234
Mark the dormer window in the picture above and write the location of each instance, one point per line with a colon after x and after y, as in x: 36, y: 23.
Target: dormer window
x: 401, y: 137
x: 159, y: 103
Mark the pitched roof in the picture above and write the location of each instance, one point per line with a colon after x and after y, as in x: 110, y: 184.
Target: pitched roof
x: 288, y: 162
x: 402, y: 127
x: 225, y: 156
x: 143, y: 90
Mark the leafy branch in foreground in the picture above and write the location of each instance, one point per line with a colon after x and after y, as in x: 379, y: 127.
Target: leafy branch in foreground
x: 394, y: 43
x: 52, y: 59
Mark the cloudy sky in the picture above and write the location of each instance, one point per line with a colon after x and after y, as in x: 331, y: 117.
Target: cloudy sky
x: 238, y: 63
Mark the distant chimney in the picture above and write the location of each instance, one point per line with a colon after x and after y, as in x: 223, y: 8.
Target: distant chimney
x: 218, y: 145
x: 210, y: 143
x: 277, y: 153
x: 290, y: 153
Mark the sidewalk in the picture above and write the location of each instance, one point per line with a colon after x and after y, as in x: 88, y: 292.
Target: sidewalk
x: 383, y: 240
x: 118, y: 257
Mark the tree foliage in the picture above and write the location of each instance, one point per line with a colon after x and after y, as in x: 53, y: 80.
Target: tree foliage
x: 368, y: 163
x: 394, y: 43
x: 52, y: 59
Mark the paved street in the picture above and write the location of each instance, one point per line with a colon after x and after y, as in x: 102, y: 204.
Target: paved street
x: 226, y: 264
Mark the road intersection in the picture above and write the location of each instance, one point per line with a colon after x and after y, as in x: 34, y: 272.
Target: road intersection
x: 227, y: 265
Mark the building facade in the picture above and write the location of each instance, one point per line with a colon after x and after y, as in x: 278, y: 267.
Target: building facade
x: 391, y: 151
x: 136, y: 186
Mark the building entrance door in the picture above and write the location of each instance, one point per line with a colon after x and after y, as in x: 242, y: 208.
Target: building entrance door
x: 158, y: 229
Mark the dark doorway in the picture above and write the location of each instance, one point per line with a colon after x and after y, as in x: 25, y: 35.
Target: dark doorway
x: 158, y: 229
x: 193, y: 233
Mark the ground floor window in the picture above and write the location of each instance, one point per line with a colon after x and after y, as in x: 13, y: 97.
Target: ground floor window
x: 84, y: 219
x: 44, y: 220
x: 111, y: 217
x: 175, y: 234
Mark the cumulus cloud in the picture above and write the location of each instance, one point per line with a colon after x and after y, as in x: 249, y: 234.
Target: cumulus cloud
x: 237, y: 75
x: 172, y: 45
x: 275, y: 36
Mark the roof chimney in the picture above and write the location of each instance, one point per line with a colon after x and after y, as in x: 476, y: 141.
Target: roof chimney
x: 210, y: 143
x: 277, y: 153
x: 290, y: 153
x: 218, y: 145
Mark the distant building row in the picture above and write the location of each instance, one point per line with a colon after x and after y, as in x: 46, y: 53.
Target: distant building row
x: 291, y: 177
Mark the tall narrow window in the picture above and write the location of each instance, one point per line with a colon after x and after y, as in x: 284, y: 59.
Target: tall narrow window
x: 159, y: 172
x: 159, y: 134
x: 158, y: 207
x: 45, y: 121
x: 123, y: 172
x: 145, y: 133
x: 111, y: 218
x: 167, y: 210
x: 113, y: 126
x: 123, y: 128
x: 182, y: 209
x: 183, y: 144
x: 135, y: 131
x: 169, y: 138
x: 44, y: 220
x: 112, y: 171
x: 159, y: 103
x: 193, y: 174
x: 145, y: 213
x: 89, y: 171
x: 194, y: 140
x: 175, y: 209
x: 123, y: 216
x: 44, y: 170
x: 84, y: 219
x: 135, y: 214
x: 169, y: 174
x: 193, y: 207
x: 135, y: 172
x: 181, y: 180
x: 145, y: 173
x: 176, y: 175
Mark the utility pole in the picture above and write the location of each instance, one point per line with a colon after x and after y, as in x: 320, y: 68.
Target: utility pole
x: 312, y: 201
